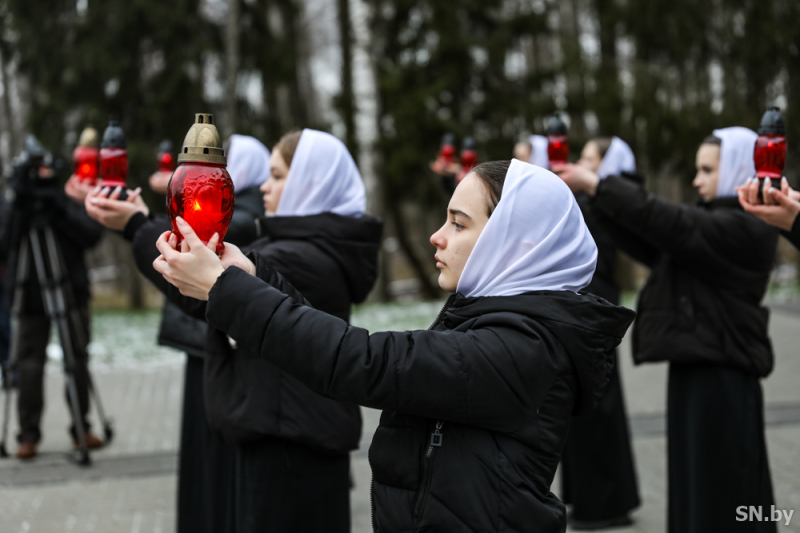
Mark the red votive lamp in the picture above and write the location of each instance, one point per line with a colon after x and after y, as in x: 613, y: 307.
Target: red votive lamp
x: 166, y: 157
x: 201, y: 190
x: 85, y: 158
x: 769, y: 154
x: 557, y: 141
x: 469, y: 158
x: 113, y: 157
x: 447, y: 152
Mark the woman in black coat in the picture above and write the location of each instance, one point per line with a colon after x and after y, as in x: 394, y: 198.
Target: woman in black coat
x: 206, y: 465
x: 700, y: 310
x: 598, y: 473
x: 477, y: 408
x: 292, y: 444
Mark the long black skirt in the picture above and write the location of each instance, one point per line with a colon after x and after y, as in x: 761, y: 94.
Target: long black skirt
x: 717, y: 455
x: 206, y: 466
x: 285, y: 487
x: 598, y: 473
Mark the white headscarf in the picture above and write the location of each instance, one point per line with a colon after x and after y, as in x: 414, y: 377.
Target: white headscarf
x: 535, y: 240
x: 323, y: 178
x: 619, y: 158
x: 248, y: 162
x: 735, y: 158
x: 539, y: 155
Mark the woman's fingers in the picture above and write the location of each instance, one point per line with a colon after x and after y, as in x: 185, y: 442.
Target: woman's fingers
x: 189, y: 236
x: 169, y: 253
x: 133, y: 195
x: 212, y: 242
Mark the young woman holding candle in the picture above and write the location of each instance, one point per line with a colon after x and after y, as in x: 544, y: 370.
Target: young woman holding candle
x: 292, y: 444
x: 477, y: 408
x: 206, y: 465
x: 598, y: 473
x: 700, y: 311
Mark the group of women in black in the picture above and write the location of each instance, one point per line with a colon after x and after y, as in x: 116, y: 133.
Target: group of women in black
x: 478, y: 409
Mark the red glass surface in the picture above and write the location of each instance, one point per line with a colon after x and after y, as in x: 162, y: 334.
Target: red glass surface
x: 447, y: 153
x: 85, y: 163
x: 113, y: 167
x: 166, y: 162
x: 770, y: 156
x: 202, y: 194
x: 557, y: 149
x: 469, y: 158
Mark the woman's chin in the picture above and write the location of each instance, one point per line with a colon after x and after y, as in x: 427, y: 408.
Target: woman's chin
x: 446, y: 284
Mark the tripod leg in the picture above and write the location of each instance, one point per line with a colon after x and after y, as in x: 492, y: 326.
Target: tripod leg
x: 55, y: 304
x: 11, y: 364
x: 6, y: 416
x: 108, y: 428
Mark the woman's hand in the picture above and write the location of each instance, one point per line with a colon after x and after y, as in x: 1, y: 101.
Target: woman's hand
x: 77, y: 189
x: 775, y: 207
x: 194, y: 269
x: 112, y: 212
x: 159, y: 181
x: 233, y: 256
x: 577, y: 177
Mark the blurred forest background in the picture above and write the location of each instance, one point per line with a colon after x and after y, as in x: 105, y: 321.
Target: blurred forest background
x: 390, y: 77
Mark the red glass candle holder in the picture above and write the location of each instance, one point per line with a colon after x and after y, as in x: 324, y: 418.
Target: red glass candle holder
x: 557, y: 149
x: 166, y: 162
x: 85, y: 164
x: 202, y: 194
x: 113, y: 167
x: 770, y: 156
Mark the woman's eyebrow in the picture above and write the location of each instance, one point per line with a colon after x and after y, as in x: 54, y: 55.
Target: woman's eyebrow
x: 455, y: 212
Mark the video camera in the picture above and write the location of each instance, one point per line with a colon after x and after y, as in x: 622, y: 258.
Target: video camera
x: 33, y: 183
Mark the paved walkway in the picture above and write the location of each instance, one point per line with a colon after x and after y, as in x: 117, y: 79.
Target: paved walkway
x: 131, y: 486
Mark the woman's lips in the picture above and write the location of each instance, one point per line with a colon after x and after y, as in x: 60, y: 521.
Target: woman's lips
x: 439, y: 262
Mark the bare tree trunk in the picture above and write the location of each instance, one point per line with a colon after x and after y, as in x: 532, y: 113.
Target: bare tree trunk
x: 231, y: 64
x: 7, y: 111
x: 346, y: 98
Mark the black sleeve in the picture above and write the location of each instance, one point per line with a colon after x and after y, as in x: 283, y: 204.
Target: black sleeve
x: 469, y: 377
x: 794, y: 234
x: 76, y: 225
x: 145, y: 252
x: 702, y: 237
x: 627, y: 241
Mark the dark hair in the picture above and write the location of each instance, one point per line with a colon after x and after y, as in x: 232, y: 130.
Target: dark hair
x: 493, y: 175
x: 711, y: 139
x: 288, y: 145
x: 603, y: 144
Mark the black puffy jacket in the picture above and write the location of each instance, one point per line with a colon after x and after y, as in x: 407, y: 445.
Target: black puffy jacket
x: 710, y: 268
x: 334, y: 260
x: 476, y: 410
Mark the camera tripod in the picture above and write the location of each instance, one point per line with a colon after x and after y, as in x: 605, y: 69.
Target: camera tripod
x: 57, y: 296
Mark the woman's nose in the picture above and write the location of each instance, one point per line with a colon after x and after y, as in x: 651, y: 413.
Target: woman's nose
x: 437, y: 239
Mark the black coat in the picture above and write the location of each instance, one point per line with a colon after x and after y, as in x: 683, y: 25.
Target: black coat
x: 74, y: 231
x: 710, y: 268
x: 476, y: 411
x: 334, y: 259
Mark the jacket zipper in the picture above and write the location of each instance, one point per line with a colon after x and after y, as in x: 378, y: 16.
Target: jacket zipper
x: 427, y: 471
x: 436, y: 442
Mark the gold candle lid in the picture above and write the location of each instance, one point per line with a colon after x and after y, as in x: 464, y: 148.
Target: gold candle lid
x: 202, y: 142
x: 89, y: 138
